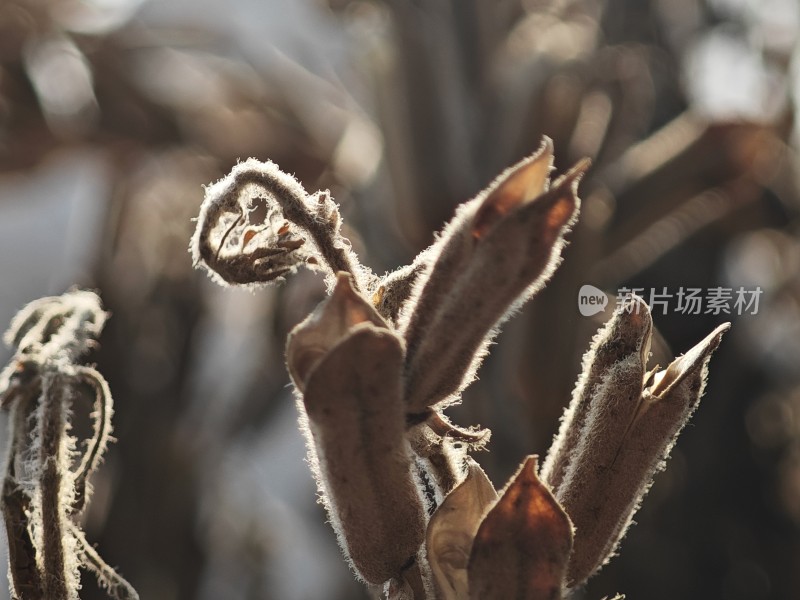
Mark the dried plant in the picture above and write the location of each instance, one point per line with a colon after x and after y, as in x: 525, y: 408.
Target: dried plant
x: 46, y: 485
x: 378, y: 361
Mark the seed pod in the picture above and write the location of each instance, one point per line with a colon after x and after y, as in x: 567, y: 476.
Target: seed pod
x: 626, y: 334
x: 523, y: 545
x: 498, y: 250
x: 356, y: 419
x: 608, y: 477
x: 452, y: 529
x: 348, y: 365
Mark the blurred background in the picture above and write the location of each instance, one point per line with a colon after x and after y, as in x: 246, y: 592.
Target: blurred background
x: 114, y: 113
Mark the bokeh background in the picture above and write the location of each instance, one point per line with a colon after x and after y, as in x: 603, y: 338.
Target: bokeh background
x: 114, y: 113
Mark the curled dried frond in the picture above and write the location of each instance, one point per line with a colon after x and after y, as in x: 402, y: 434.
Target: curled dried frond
x: 58, y: 328
x: 258, y: 224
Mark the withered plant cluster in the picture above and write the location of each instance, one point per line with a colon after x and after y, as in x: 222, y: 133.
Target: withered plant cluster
x: 46, y: 485
x: 378, y: 362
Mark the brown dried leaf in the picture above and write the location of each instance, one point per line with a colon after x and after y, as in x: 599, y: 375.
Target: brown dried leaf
x: 452, y: 529
x: 523, y: 545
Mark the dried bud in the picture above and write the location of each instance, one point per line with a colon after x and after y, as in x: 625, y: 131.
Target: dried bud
x: 395, y: 288
x: 333, y: 320
x: 496, y: 253
x: 452, y: 529
x: 626, y: 436
x: 70, y: 323
x: 523, y: 545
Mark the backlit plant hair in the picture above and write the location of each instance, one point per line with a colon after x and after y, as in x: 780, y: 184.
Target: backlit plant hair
x: 47, y: 480
x: 378, y: 361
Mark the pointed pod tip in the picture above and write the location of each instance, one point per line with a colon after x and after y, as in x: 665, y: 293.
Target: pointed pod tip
x: 545, y: 147
x: 573, y: 176
x: 633, y: 320
x: 721, y: 329
x: 515, y: 187
x: 634, y: 304
x: 344, y: 280
x: 694, y: 361
x: 530, y: 466
x: 329, y: 324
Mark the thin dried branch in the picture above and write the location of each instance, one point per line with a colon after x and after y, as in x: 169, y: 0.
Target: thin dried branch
x: 98, y: 443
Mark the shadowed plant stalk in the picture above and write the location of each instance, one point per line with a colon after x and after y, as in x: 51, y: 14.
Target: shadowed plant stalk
x: 377, y: 363
x: 47, y: 479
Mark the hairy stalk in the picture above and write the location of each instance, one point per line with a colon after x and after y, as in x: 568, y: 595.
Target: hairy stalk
x: 51, y: 454
x: 24, y: 574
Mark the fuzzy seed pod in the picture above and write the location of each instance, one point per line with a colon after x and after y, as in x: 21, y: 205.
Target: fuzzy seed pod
x: 625, y: 439
x: 348, y: 367
x: 498, y: 250
x: 663, y: 411
x: 258, y: 224
x: 625, y: 336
